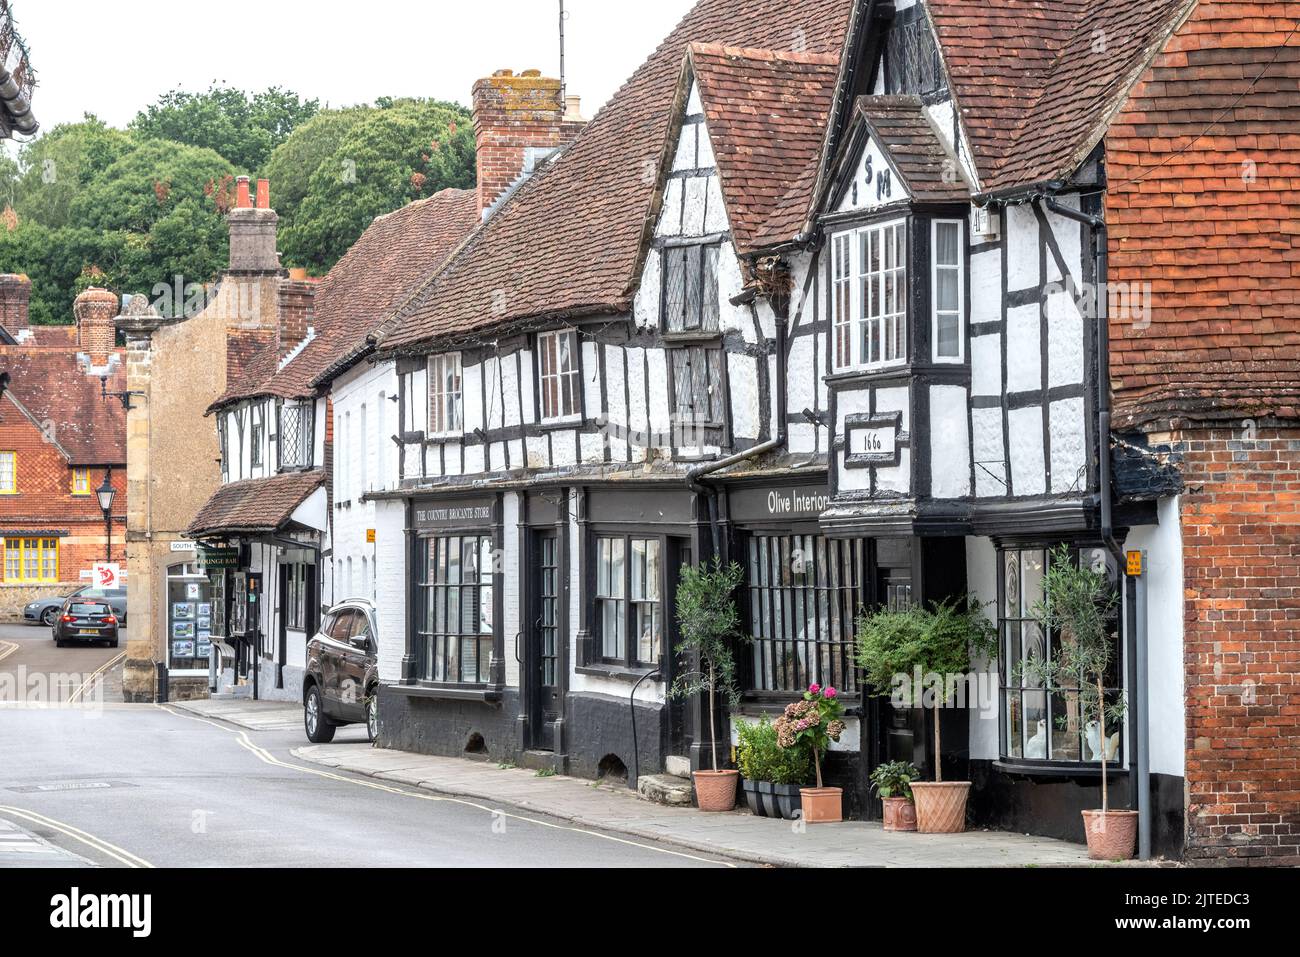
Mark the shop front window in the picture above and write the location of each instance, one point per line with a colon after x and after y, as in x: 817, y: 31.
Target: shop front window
x: 629, y: 599
x: 1043, y: 720
x: 190, y: 618
x: 455, y: 617
x: 804, y: 599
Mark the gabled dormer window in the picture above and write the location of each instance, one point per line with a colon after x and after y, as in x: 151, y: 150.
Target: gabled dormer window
x: 446, y: 415
x: 560, y: 384
x: 295, y: 436
x: 869, y: 296
x: 690, y: 288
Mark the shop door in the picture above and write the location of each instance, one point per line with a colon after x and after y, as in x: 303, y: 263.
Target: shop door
x: 544, y: 663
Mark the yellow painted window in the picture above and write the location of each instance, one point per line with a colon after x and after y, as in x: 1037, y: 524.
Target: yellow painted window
x: 31, y: 559
x: 81, y: 481
x: 8, y: 473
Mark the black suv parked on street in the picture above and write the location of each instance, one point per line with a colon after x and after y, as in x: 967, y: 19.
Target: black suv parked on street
x: 342, y: 673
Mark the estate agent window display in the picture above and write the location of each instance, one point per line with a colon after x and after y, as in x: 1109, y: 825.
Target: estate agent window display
x: 1041, y: 724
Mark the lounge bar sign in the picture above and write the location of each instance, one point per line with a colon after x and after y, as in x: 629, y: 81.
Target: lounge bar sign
x: 477, y: 513
x: 218, y: 557
x: 764, y: 504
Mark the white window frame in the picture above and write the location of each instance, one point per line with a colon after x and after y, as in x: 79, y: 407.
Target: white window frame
x: 558, y: 375
x: 857, y: 322
x: 960, y: 268
x: 443, y: 401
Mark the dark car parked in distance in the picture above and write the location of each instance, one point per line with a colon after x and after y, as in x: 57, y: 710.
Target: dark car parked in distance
x: 43, y: 611
x: 342, y: 673
x: 90, y: 619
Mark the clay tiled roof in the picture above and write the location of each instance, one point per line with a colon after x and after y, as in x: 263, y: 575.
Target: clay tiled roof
x: 767, y: 112
x: 1204, y: 205
x: 1038, y: 80
x: 900, y: 123
x: 393, y: 255
x: 53, y: 386
x: 254, y: 506
x: 570, y: 240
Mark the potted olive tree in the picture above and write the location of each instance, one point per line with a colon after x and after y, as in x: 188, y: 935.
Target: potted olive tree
x: 1077, y: 606
x: 892, y: 783
x: 709, y: 623
x: 893, y: 646
x: 771, y: 776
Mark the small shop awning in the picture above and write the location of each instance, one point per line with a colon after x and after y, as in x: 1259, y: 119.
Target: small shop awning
x: 263, y: 506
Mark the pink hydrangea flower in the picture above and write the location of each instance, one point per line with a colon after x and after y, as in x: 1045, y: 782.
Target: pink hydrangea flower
x: 831, y: 693
x: 814, y: 688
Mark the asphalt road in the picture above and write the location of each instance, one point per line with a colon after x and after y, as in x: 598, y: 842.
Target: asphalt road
x: 134, y: 785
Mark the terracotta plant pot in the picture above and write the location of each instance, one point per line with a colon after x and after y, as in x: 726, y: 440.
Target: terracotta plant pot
x: 1112, y: 835
x: 900, y: 814
x: 716, y: 790
x: 822, y: 805
x: 940, y: 806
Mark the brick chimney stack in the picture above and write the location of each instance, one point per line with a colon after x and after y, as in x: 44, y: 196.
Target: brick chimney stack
x: 297, y: 296
x: 15, y: 296
x: 95, y: 309
x: 253, y: 231
x: 516, y: 118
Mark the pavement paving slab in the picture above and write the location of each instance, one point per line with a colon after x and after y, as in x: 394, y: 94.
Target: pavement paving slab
x: 21, y: 848
x: 737, y: 835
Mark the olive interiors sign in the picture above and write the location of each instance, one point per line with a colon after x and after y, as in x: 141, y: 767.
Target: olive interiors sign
x: 763, y: 504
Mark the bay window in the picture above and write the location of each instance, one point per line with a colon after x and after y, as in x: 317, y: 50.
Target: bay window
x: 1043, y: 719
x: 561, y: 395
x: 869, y: 296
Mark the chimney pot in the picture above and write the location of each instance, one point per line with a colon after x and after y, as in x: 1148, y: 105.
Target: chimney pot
x: 263, y: 194
x: 95, y: 310
x: 242, y: 198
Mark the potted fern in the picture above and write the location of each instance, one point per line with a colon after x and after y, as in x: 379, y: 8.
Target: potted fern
x: 892, y: 783
x: 937, y: 641
x: 1077, y: 606
x: 709, y: 623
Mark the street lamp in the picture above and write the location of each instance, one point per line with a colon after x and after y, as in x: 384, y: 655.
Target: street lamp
x: 105, y: 494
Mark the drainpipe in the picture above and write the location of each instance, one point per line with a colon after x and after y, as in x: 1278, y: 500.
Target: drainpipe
x: 1138, y: 640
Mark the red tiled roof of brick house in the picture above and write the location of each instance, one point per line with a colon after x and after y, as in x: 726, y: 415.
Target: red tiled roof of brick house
x: 1037, y: 81
x: 1204, y: 204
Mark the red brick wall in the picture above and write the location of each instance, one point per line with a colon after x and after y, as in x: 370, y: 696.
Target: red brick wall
x: 45, y: 500
x: 512, y: 113
x: 1241, y: 558
x: 296, y: 312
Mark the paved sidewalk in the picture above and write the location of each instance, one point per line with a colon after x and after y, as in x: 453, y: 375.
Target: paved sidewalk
x: 738, y: 835
x: 245, y: 713
x: 20, y: 848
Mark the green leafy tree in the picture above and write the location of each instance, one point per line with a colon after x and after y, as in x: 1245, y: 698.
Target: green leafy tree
x: 892, y: 644
x: 709, y: 623
x: 306, y: 149
x: 53, y: 170
x: 242, y: 128
x: 394, y: 156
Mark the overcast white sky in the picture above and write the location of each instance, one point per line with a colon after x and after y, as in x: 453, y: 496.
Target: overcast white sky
x: 113, y: 58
